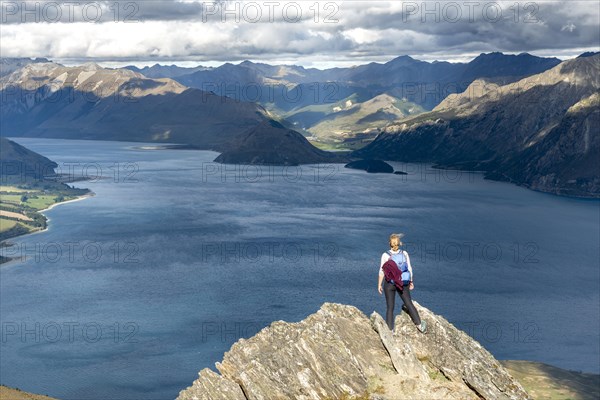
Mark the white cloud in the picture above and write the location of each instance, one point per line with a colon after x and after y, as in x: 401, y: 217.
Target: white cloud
x: 362, y: 36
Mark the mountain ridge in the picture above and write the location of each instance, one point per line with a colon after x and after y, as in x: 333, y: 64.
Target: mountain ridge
x: 89, y: 102
x: 17, y: 162
x: 287, y: 89
x: 291, y: 91
x: 536, y: 132
x: 379, y: 77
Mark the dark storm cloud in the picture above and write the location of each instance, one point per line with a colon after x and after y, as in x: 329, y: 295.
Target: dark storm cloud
x: 16, y: 12
x: 229, y: 31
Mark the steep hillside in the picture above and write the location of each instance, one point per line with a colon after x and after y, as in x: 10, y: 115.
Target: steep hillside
x: 18, y: 162
x: 543, y: 381
x: 89, y: 102
x: 540, y: 132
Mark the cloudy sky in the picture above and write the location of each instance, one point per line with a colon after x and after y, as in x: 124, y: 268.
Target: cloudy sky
x: 310, y: 33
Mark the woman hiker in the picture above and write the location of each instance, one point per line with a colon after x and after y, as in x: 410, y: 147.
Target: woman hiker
x: 402, y: 270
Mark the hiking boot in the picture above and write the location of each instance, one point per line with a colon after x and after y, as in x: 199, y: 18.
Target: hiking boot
x: 422, y: 327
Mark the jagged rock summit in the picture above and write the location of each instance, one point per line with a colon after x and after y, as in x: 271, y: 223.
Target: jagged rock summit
x: 339, y: 353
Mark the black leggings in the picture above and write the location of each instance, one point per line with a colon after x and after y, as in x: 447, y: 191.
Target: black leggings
x: 390, y: 299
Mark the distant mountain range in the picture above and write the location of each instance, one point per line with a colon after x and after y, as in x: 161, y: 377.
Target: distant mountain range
x: 343, y: 108
x: 165, y: 71
x: 89, y: 102
x: 540, y: 132
x: 10, y: 65
x: 308, y: 96
x: 399, y: 76
x: 537, y: 131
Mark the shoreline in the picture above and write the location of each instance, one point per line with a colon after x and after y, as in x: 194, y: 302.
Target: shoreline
x: 82, y: 197
x: 78, y: 198
x: 7, y: 244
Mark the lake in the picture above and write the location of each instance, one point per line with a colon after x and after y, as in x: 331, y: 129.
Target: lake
x: 131, y: 292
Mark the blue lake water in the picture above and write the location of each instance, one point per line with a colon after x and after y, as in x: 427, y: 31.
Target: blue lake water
x: 130, y: 293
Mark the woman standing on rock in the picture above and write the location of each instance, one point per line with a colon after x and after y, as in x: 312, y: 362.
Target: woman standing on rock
x: 396, y: 264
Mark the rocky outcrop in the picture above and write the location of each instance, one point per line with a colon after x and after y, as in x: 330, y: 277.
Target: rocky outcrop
x: 459, y: 358
x: 212, y: 386
x: 339, y: 352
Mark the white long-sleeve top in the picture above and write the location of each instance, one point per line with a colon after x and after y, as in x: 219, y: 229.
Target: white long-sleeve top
x: 385, y: 256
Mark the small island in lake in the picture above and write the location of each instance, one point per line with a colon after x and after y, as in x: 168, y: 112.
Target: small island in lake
x: 371, y: 166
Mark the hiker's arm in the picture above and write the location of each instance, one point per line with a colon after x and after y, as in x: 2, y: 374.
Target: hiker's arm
x: 412, y: 278
x: 380, y: 279
x: 409, y: 266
